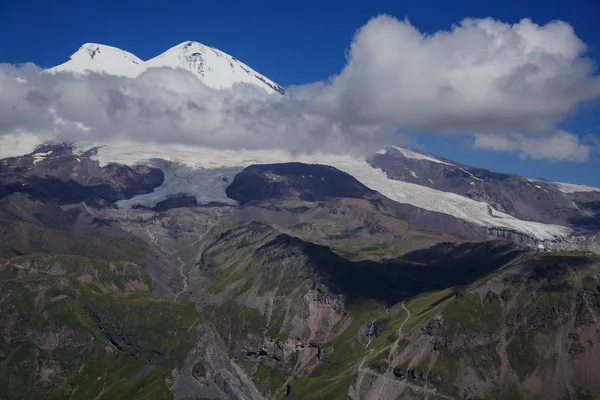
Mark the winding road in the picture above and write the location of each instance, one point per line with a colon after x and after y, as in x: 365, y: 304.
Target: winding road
x: 406, y: 320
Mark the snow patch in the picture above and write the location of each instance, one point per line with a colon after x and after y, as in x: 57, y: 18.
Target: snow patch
x: 418, y: 156
x: 413, y: 174
x: 572, y: 188
x: 37, y: 157
x: 471, y: 175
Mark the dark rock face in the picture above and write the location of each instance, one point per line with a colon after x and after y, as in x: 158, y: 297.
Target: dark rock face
x: 174, y: 202
x: 520, y: 197
x: 415, y: 374
x: 294, y: 181
x: 123, y: 341
x: 55, y: 172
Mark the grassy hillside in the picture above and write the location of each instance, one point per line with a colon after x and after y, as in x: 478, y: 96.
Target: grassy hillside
x: 85, y: 328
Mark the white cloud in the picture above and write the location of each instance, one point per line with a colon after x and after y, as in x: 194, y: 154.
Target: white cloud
x: 19, y: 143
x: 562, y: 146
x: 504, y: 83
x: 483, y: 75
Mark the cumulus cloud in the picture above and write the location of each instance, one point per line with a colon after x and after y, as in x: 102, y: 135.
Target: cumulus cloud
x: 483, y: 75
x: 562, y: 146
x: 509, y: 85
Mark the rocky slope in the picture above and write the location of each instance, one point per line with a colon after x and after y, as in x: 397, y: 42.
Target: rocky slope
x: 524, y: 198
x: 529, y: 331
x: 61, y: 173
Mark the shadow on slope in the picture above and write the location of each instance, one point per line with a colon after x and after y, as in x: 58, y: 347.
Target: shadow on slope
x: 442, y: 266
x: 261, y: 250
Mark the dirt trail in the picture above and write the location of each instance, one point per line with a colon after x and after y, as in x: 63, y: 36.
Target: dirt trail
x: 361, y: 372
x: 394, y: 346
x: 406, y: 320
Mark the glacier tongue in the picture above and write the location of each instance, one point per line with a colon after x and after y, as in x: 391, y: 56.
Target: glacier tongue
x: 216, y: 69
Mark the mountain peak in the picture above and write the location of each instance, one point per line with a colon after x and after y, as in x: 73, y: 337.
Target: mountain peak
x: 188, y: 49
x: 191, y: 44
x: 96, y: 47
x: 102, y: 58
x: 215, y: 68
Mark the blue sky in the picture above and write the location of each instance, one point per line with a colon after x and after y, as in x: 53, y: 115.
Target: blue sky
x: 293, y: 43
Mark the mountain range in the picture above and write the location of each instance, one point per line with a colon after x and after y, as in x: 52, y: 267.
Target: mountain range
x: 163, y: 271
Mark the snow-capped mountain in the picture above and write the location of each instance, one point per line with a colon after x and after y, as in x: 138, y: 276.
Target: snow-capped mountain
x: 216, y: 69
